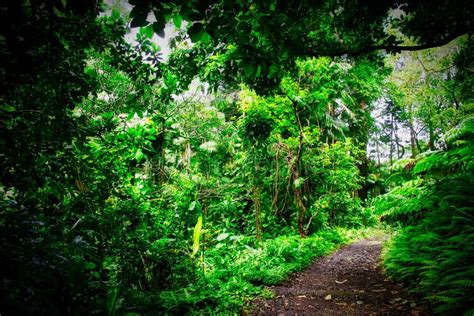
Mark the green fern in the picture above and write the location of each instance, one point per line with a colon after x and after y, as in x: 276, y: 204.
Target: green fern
x: 435, y: 252
x: 469, y: 312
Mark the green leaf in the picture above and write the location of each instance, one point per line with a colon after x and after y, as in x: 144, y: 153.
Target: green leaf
x: 222, y: 236
x: 195, y: 37
x: 272, y: 71
x: 259, y: 71
x: 115, y: 14
x: 205, y: 37
x: 139, y: 16
x: 195, y: 32
x: 139, y: 21
x: 139, y: 155
x: 57, y: 11
x: 159, y: 29
x: 107, y: 115
x: 8, y: 108
x: 177, y: 19
x: 90, y: 71
x: 137, y: 10
x: 147, y: 30
x: 90, y: 265
x: 114, y: 303
x: 196, y: 236
x: 248, y: 71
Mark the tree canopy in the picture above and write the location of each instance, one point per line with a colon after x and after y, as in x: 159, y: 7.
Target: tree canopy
x: 260, y: 40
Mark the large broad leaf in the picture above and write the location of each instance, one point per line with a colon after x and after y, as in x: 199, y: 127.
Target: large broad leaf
x: 177, y: 19
x: 196, y: 236
x: 139, y: 15
x: 249, y: 70
x: 195, y: 32
x: 159, y: 29
x: 139, y: 20
x: 205, y: 37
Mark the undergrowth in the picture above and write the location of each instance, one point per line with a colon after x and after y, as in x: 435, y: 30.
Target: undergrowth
x: 433, y: 252
x: 236, y: 269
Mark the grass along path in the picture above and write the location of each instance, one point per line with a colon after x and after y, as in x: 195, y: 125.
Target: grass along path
x: 348, y: 282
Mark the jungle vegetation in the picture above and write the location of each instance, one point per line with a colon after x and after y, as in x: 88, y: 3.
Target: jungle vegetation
x: 140, y: 183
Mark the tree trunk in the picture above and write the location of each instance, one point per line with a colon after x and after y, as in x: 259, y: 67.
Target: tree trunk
x: 377, y: 149
x: 295, y: 170
x: 392, y: 147
x: 413, y: 141
x: 257, y: 205
x: 411, y: 124
x: 364, y: 161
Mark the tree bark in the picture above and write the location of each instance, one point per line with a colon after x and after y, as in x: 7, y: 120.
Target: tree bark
x: 295, y: 170
x: 411, y: 123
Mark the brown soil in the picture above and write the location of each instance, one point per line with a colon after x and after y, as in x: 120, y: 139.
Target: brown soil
x: 348, y: 282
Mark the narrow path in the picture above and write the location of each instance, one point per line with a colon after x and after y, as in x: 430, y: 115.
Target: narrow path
x: 348, y: 282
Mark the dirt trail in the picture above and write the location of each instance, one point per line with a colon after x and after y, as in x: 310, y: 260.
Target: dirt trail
x: 348, y: 282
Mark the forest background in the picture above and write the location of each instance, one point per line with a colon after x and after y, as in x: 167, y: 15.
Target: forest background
x: 273, y: 132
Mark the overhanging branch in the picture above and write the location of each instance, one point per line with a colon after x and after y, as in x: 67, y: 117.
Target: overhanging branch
x: 438, y: 43
x: 391, y: 48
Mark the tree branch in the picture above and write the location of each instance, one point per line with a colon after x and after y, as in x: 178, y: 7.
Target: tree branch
x: 390, y: 48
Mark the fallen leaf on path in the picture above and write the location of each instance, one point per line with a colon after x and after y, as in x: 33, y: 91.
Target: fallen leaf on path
x: 328, y: 297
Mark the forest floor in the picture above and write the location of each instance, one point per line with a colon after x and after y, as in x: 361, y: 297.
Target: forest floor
x: 348, y: 282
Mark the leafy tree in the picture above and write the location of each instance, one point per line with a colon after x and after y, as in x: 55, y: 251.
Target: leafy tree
x: 431, y: 195
x: 244, y: 33
x: 128, y: 187
x: 423, y: 83
x: 43, y: 59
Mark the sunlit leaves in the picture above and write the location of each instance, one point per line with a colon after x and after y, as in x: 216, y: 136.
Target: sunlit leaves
x: 147, y: 31
x: 196, y: 236
x: 139, y: 155
x: 208, y: 146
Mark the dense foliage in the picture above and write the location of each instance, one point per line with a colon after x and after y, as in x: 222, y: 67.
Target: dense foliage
x: 431, y: 198
x: 128, y: 188
x: 435, y: 253
x: 258, y: 41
